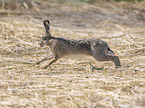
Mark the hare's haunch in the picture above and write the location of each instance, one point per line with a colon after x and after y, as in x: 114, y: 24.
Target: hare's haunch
x: 61, y: 47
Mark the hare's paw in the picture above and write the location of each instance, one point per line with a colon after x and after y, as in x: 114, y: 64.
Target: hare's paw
x: 45, y: 67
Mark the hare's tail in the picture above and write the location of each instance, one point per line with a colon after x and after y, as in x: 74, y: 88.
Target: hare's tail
x: 110, y: 52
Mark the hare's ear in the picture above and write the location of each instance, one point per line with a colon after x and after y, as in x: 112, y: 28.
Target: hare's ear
x: 47, y: 26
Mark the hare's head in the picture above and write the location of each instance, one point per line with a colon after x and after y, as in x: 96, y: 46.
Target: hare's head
x: 45, y: 39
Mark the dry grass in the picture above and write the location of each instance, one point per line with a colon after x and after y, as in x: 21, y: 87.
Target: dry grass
x: 70, y: 82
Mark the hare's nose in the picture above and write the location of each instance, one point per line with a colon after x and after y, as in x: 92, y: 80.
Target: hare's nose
x: 44, y: 38
x: 41, y: 43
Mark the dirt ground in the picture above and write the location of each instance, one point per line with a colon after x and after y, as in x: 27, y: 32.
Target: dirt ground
x: 71, y: 82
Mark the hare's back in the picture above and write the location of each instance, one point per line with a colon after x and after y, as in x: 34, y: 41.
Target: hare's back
x: 68, y: 47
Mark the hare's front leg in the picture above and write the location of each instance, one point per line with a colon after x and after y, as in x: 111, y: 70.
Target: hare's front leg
x: 46, y: 58
x: 54, y: 60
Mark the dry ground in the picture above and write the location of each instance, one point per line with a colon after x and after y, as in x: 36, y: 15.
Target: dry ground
x: 71, y: 82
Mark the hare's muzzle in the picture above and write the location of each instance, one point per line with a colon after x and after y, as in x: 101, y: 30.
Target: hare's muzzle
x: 41, y: 43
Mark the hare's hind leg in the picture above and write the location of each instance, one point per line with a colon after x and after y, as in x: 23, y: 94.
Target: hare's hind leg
x: 116, y: 61
x: 54, y: 60
x: 104, y: 57
x: 44, y: 59
x: 101, y: 54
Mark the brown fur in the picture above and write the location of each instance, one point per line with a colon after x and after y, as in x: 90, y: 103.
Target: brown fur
x: 61, y: 47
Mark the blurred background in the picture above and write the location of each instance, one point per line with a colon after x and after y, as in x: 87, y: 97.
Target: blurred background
x: 78, y: 13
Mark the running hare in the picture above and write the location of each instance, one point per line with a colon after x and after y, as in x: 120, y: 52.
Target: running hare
x: 61, y: 47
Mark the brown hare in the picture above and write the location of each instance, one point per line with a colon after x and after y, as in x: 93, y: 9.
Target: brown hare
x: 61, y: 47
